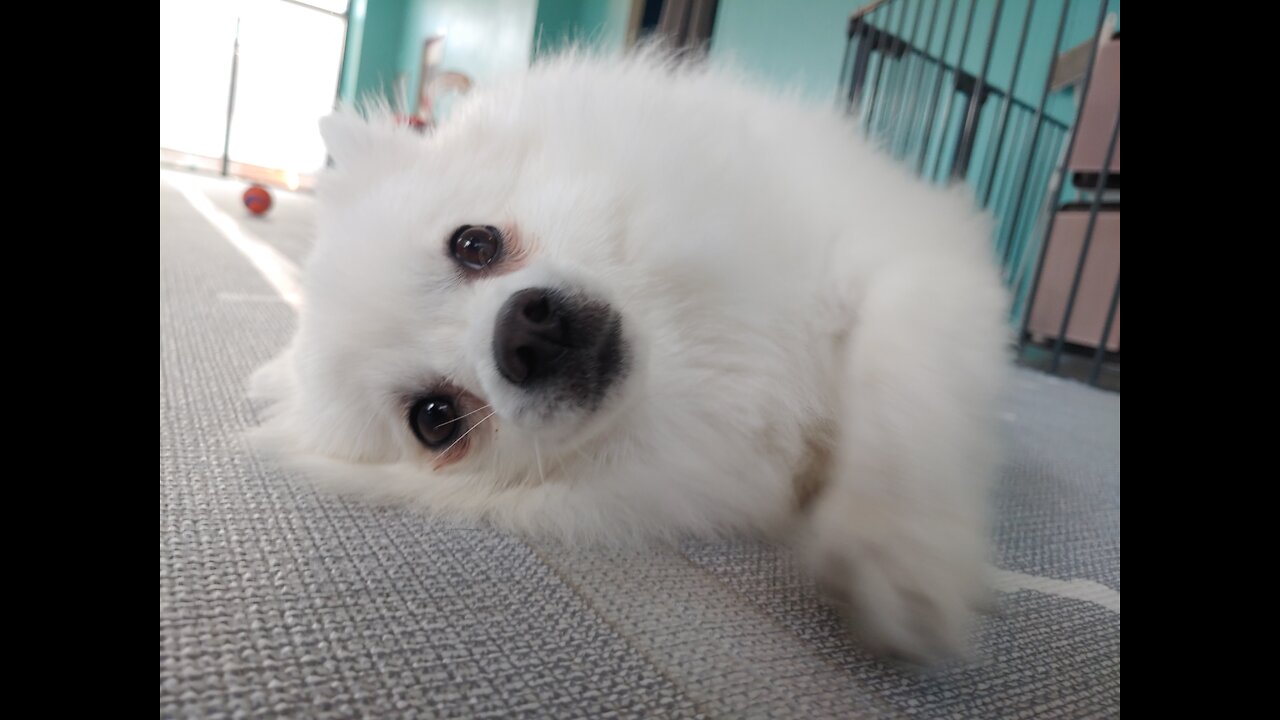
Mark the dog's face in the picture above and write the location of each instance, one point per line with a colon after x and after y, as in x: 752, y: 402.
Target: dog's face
x: 468, y: 305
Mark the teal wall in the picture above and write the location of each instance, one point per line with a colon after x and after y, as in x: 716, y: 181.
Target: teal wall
x: 377, y: 62
x: 606, y: 22
x: 483, y: 39
x: 791, y: 45
x: 555, y: 23
x: 597, y: 24
x: 351, y: 53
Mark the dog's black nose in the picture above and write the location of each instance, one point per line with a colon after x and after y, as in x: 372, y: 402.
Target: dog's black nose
x: 532, y: 335
x: 542, y: 333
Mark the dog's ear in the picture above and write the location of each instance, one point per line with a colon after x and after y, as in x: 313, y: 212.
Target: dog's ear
x: 355, y: 140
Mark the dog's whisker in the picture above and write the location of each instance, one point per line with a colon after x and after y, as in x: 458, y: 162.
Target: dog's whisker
x: 537, y: 454
x: 473, y: 412
x: 468, y: 432
x: 368, y: 425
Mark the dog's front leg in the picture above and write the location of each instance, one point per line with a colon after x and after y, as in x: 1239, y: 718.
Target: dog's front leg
x: 899, y: 532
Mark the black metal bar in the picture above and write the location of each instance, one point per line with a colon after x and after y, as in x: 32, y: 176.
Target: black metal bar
x: 917, y: 78
x: 995, y: 208
x: 1056, y: 190
x: 951, y: 100
x: 844, y: 68
x: 899, y: 102
x: 888, y: 67
x: 342, y: 61
x: 1101, y: 351
x: 1037, y: 183
x: 988, y: 91
x: 1084, y: 246
x: 1042, y: 177
x: 920, y: 88
x: 861, y: 60
x: 994, y: 155
x: 895, y: 38
x: 970, y: 127
x: 880, y: 41
x: 231, y: 101
x: 1005, y: 195
x: 844, y: 62
x: 1008, y: 184
x: 931, y: 112
x: 1039, y: 118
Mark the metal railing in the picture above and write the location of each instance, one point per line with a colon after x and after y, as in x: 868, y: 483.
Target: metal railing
x: 904, y: 76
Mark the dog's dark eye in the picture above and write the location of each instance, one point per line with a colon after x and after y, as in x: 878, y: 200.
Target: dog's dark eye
x: 475, y: 246
x: 433, y: 421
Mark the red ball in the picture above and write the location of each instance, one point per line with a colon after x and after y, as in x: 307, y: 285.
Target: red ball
x: 257, y: 199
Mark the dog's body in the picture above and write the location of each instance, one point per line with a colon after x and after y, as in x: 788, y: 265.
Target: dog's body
x: 623, y: 300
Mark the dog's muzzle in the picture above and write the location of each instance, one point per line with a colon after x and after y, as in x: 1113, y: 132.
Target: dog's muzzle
x: 547, y: 340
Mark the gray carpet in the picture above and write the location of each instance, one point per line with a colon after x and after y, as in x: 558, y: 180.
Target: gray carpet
x: 279, y: 601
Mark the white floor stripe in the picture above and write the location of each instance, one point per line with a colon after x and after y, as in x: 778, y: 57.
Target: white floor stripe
x: 276, y: 268
x: 283, y: 276
x: 1086, y: 590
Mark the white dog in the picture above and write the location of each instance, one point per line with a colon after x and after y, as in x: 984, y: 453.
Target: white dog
x: 632, y: 299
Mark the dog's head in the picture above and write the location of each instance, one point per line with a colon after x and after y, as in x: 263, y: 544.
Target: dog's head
x: 466, y: 304
x: 537, y: 295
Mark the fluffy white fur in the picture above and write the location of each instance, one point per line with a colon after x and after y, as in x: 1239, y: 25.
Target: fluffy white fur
x: 817, y: 338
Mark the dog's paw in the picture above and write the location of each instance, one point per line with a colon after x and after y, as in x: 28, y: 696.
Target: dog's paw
x: 909, y: 589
